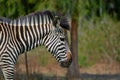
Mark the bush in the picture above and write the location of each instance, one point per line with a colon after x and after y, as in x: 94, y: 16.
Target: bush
x: 98, y: 39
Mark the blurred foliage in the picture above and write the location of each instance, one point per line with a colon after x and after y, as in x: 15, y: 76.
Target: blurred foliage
x: 98, y: 39
x: 15, y: 8
x: 98, y: 31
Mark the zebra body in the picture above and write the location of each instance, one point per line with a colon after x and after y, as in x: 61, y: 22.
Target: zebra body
x: 25, y: 33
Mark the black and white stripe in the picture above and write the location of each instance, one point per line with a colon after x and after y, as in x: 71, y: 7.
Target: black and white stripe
x: 25, y: 33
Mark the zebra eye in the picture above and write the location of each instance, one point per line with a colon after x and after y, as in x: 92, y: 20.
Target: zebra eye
x: 62, y: 39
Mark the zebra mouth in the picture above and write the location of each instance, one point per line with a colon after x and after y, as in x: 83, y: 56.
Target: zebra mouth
x: 66, y: 63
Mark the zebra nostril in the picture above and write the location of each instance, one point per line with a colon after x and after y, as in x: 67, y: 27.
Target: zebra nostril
x: 65, y: 64
x: 68, y: 61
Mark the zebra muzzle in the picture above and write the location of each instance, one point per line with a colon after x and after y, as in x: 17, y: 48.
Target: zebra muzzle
x: 66, y: 63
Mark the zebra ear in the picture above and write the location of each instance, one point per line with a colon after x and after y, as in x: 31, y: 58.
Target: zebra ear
x: 56, y: 20
x: 64, y: 23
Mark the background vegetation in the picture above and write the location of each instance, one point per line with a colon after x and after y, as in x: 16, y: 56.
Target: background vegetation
x: 98, y: 30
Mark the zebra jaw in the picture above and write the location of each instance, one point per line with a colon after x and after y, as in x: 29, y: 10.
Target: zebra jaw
x: 66, y: 63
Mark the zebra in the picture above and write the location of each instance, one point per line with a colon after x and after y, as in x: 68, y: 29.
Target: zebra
x: 25, y: 33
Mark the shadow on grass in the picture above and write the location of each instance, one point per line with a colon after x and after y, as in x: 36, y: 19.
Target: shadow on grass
x: 100, y: 77
x: 35, y: 76
x: 83, y: 76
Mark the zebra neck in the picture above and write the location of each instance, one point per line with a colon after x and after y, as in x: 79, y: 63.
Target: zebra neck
x: 29, y: 37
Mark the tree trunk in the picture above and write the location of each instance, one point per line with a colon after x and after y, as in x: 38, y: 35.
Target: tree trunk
x: 73, y: 70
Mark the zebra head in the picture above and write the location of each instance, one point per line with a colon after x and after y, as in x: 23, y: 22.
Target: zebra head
x: 56, y: 43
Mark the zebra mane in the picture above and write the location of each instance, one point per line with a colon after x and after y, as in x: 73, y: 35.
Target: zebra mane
x: 47, y: 12
x: 64, y: 23
x: 4, y: 19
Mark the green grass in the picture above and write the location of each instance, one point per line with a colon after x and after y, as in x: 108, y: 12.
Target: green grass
x: 42, y: 55
x: 39, y: 55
